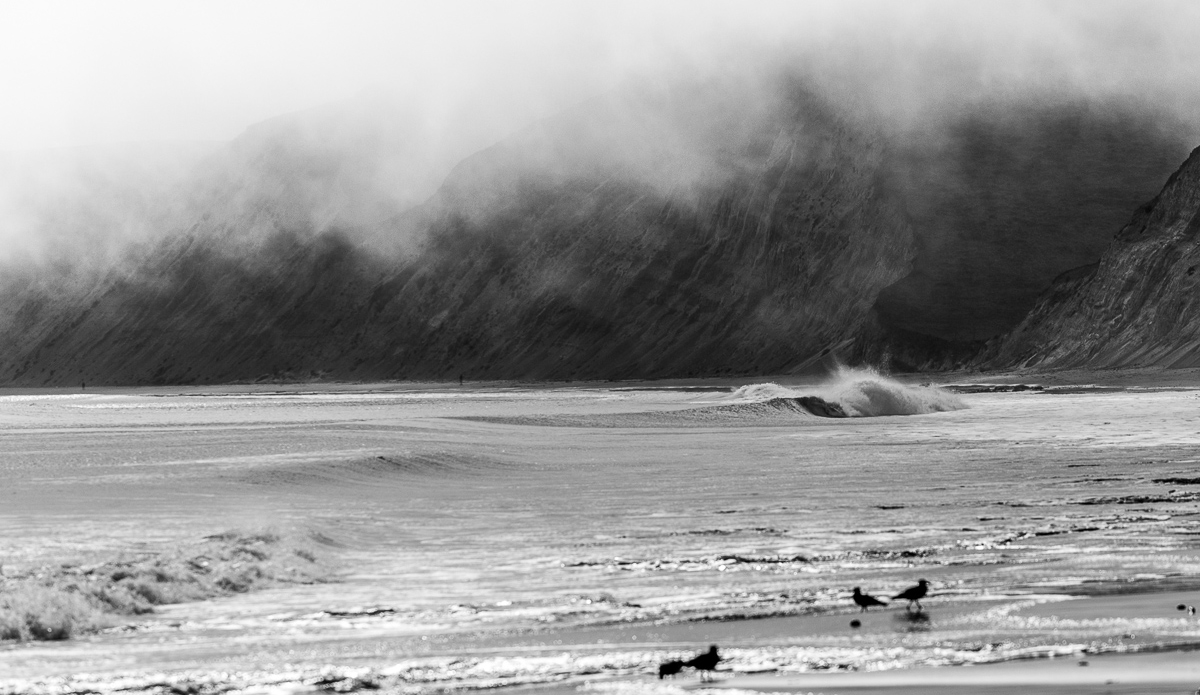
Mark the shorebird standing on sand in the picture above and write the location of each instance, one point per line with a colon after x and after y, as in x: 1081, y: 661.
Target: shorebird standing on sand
x: 914, y: 594
x: 705, y: 662
x: 865, y: 601
x: 669, y: 668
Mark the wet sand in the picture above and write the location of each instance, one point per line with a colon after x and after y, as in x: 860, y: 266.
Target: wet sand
x: 476, y: 549
x: 1177, y: 673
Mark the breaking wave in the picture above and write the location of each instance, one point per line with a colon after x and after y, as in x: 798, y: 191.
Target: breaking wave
x: 857, y: 392
x: 854, y: 392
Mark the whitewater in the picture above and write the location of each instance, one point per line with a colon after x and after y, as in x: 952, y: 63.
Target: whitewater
x: 857, y: 392
x: 576, y: 536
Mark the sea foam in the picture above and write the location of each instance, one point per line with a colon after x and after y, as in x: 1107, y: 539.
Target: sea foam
x: 860, y: 392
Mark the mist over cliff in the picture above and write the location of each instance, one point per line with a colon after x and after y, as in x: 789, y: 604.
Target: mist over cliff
x: 880, y: 185
x: 1135, y: 307
x: 1005, y: 198
x: 684, y: 227
x: 649, y: 232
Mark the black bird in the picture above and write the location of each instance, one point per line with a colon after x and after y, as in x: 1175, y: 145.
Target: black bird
x: 705, y: 662
x: 669, y: 668
x: 914, y: 594
x: 865, y: 601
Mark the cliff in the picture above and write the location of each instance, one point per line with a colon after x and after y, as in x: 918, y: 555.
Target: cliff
x: 686, y: 227
x: 1005, y: 197
x: 1138, y: 306
x: 650, y: 233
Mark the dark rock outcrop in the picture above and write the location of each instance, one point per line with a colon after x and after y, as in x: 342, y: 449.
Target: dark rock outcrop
x: 1138, y: 307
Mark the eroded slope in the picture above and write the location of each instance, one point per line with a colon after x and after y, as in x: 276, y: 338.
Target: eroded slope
x: 1006, y: 197
x: 652, y: 233
x: 1139, y: 306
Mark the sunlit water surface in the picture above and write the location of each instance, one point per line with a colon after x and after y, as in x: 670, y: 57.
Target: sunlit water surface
x: 528, y: 535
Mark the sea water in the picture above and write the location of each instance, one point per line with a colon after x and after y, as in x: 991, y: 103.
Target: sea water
x: 501, y: 535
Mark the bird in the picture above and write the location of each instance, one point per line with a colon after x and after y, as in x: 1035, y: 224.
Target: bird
x: 669, y: 668
x: 705, y: 662
x: 865, y: 601
x: 914, y: 594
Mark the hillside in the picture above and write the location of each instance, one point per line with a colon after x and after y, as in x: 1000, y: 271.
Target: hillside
x: 1136, y: 307
x: 1004, y: 198
x: 80, y: 206
x: 648, y: 233
x: 668, y: 228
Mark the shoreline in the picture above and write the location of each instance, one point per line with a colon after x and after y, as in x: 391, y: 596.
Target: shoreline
x: 762, y: 654
x: 455, y: 523
x: 1146, y: 377
x: 1175, y: 670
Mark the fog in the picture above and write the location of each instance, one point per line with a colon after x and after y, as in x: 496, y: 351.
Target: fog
x: 79, y: 76
x: 83, y: 73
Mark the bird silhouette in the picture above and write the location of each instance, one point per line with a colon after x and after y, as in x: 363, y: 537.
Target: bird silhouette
x: 865, y: 601
x: 669, y: 668
x: 914, y: 594
x: 706, y: 662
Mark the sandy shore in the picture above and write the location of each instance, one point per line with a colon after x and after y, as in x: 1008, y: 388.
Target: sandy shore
x: 1176, y: 672
x: 518, y: 556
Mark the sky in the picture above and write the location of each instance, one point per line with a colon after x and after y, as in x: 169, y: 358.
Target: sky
x: 109, y: 71
x: 89, y: 89
x: 105, y: 71
x: 116, y: 70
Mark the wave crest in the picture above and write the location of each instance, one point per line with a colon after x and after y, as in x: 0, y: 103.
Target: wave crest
x: 859, y: 392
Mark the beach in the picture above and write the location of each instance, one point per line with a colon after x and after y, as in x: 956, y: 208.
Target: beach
x: 575, y: 536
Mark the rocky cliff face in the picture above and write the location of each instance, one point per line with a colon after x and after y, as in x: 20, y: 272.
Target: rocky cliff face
x: 1139, y: 306
x: 648, y: 234
x: 666, y: 229
x: 1005, y: 198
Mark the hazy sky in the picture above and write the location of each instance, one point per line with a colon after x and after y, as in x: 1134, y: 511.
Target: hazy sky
x: 114, y: 70
x: 111, y: 70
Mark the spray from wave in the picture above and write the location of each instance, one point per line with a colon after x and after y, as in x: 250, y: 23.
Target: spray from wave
x: 854, y: 392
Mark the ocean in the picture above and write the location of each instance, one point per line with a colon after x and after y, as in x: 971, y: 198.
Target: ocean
x: 575, y: 536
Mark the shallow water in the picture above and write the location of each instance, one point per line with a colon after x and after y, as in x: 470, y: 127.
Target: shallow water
x: 525, y: 535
